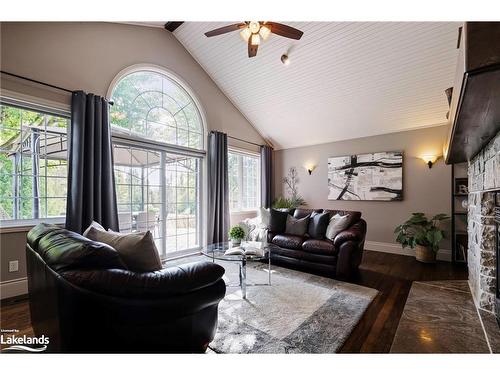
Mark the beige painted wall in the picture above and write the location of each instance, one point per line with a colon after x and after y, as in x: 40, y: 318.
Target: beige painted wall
x: 426, y: 190
x: 87, y: 56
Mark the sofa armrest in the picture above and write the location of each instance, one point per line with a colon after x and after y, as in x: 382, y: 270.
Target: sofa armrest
x: 270, y: 236
x: 166, y: 282
x: 355, y: 233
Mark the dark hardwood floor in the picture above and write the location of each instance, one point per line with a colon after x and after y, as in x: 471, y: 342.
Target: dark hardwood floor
x: 392, y: 275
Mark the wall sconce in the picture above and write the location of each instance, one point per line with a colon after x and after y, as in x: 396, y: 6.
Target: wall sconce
x: 429, y: 159
x: 310, y: 168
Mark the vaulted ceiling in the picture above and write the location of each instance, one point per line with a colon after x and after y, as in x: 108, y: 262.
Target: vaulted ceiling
x: 345, y: 80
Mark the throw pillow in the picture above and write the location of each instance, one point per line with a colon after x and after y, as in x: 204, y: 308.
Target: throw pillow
x: 278, y: 221
x: 137, y: 250
x: 95, y: 225
x: 317, y: 225
x: 297, y: 227
x: 336, y: 225
x: 265, y: 216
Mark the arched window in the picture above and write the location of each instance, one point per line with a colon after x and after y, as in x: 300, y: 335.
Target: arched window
x: 158, y: 185
x: 150, y: 103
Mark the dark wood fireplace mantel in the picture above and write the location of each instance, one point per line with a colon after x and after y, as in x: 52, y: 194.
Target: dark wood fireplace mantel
x: 475, y: 108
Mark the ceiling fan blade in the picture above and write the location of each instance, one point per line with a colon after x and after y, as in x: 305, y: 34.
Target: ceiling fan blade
x: 285, y: 30
x: 225, y: 29
x: 252, y: 49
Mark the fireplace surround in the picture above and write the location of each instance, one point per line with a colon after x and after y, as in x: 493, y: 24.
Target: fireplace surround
x: 483, y: 203
x: 497, y: 224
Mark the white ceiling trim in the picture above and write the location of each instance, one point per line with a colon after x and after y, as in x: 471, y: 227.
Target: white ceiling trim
x: 346, y: 79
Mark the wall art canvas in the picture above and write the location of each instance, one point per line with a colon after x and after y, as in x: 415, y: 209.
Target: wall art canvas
x: 366, y: 177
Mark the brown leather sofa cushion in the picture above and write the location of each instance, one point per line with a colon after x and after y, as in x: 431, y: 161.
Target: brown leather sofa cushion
x: 288, y: 241
x: 169, y: 281
x: 323, y: 247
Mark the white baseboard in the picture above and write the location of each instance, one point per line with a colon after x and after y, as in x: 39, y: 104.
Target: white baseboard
x: 386, y: 247
x: 13, y: 288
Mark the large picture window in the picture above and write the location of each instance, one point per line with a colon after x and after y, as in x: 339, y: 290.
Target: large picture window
x: 158, y: 183
x: 33, y: 164
x: 244, y: 181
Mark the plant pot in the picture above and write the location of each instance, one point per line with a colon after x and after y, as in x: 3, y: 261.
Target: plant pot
x: 235, y: 242
x: 425, y: 254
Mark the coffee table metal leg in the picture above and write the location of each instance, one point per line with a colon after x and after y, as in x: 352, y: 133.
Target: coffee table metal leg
x: 269, y: 269
x: 243, y: 278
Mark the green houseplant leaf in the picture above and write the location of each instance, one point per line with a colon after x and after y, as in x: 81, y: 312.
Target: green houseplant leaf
x: 418, y: 230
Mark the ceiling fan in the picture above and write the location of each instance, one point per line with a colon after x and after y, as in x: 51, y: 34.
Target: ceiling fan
x: 253, y: 31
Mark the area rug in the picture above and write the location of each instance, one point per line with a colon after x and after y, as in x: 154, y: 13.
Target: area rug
x: 298, y: 313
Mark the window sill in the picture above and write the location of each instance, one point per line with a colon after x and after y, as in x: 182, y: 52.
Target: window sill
x: 13, y: 226
x: 246, y: 212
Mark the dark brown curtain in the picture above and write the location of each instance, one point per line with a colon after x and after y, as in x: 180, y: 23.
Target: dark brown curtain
x: 266, y: 171
x: 218, y: 191
x: 91, y: 183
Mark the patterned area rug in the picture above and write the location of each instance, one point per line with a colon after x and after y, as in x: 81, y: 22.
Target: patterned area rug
x: 298, y: 313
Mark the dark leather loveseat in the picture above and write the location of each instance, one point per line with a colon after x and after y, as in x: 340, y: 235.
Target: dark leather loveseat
x: 339, y: 258
x: 84, y: 299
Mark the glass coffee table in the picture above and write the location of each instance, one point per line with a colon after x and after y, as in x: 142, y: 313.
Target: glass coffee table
x: 217, y: 252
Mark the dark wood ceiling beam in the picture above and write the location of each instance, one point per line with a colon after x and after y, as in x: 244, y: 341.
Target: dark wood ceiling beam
x: 173, y: 25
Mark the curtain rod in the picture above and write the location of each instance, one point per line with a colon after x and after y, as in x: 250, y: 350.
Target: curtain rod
x: 42, y: 83
x: 242, y: 140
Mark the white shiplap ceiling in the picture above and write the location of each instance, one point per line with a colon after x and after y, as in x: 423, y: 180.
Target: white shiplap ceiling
x: 346, y: 80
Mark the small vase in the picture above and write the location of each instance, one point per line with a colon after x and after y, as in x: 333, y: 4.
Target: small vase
x: 235, y: 242
x: 425, y: 254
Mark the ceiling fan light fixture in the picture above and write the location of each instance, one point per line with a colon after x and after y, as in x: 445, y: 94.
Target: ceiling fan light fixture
x: 285, y: 59
x: 264, y: 32
x: 245, y: 34
x: 255, y: 40
x: 254, y: 26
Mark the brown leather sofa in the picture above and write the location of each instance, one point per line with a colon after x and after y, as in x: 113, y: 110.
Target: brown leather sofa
x: 84, y: 299
x: 339, y: 258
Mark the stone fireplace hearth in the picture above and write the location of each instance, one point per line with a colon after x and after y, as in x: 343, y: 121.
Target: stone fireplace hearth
x: 484, y: 182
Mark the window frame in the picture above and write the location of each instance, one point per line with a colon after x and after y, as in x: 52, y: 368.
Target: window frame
x: 177, y: 80
x: 154, y: 146
x: 127, y: 139
x: 247, y: 153
x: 47, y: 107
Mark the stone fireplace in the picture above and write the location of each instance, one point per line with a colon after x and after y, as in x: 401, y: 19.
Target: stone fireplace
x: 484, y: 195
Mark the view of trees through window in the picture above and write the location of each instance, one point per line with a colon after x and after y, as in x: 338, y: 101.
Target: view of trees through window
x: 158, y: 189
x: 153, y: 106
x: 244, y: 181
x: 33, y: 164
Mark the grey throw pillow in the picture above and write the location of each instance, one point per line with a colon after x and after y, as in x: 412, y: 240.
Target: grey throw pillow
x: 137, y: 250
x: 336, y: 225
x: 295, y: 226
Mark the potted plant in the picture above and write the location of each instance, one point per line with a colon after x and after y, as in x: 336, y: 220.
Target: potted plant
x: 421, y: 234
x: 295, y: 200
x: 236, y: 234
